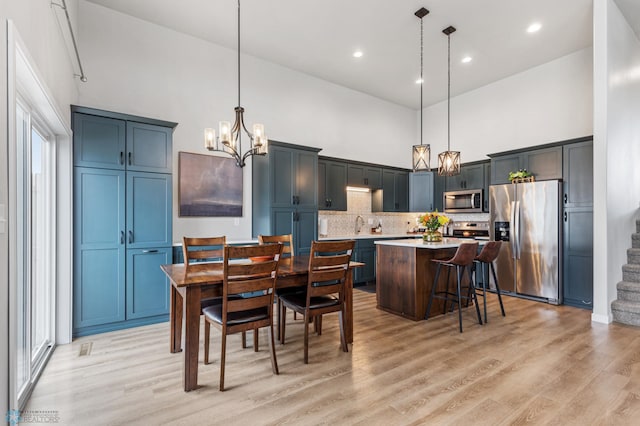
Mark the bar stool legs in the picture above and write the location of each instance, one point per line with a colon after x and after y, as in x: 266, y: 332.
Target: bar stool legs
x: 485, y: 276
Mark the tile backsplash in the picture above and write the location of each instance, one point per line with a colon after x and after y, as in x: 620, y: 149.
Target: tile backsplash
x: 359, y: 203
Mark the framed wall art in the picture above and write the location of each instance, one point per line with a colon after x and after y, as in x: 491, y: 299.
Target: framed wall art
x: 209, y: 186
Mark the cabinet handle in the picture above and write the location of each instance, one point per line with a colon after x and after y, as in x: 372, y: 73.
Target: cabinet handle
x: 149, y: 251
x: 326, y: 202
x: 122, y: 157
x: 565, y: 216
x: 330, y: 202
x: 130, y: 155
x: 430, y: 207
x: 565, y: 198
x: 130, y: 237
x: 121, y: 237
x: 486, y: 204
x: 366, y: 181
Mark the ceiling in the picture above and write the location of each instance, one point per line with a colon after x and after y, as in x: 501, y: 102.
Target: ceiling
x: 318, y: 37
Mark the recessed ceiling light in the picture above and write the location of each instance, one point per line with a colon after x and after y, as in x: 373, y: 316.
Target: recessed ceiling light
x: 535, y: 27
x: 467, y: 59
x: 419, y: 81
x: 357, y: 54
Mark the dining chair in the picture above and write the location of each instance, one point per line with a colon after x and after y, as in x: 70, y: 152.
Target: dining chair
x: 250, y: 271
x: 328, y: 268
x: 207, y: 249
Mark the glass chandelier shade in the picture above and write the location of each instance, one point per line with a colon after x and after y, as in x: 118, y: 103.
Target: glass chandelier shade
x: 421, y: 154
x: 229, y: 139
x: 449, y: 161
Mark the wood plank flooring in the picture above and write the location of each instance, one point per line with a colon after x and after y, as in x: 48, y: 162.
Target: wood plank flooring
x: 540, y: 364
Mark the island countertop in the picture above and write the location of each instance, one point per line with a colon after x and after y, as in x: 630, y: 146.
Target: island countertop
x: 446, y: 243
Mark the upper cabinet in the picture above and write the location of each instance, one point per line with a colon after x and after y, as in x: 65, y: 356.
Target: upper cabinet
x: 543, y: 163
x: 111, y: 143
x: 421, y: 192
x: 293, y: 173
x: 470, y: 177
x: 578, y: 174
x: 394, y: 196
x: 332, y: 185
x: 364, y: 176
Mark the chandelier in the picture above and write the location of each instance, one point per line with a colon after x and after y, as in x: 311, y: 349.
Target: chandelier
x: 421, y: 153
x: 229, y: 140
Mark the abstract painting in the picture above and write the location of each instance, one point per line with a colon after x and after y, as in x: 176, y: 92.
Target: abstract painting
x: 209, y: 185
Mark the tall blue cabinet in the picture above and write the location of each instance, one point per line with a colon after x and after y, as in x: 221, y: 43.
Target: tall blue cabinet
x: 122, y: 220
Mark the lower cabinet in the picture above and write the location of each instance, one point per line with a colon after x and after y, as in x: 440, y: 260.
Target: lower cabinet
x: 365, y: 252
x: 578, y: 257
x: 301, y: 223
x: 147, y: 286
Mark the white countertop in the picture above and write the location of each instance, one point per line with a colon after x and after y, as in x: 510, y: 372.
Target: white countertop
x: 447, y: 242
x: 368, y: 236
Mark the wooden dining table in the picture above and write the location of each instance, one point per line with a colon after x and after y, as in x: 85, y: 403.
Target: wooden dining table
x: 189, y: 285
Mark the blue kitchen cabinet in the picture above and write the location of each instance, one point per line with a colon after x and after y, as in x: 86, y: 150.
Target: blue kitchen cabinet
x: 147, y: 286
x: 122, y: 220
x: 421, y: 192
x: 99, y: 247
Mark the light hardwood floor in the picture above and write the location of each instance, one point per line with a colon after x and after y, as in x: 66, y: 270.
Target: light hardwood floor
x: 540, y: 364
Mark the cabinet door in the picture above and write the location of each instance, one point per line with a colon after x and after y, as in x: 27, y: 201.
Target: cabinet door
x: 501, y: 166
x: 365, y: 252
x: 323, y: 194
x: 98, y: 142
x: 439, y: 184
x: 149, y: 148
x: 336, y: 185
x: 147, y: 285
x: 282, y: 176
x: 306, y: 173
x: 306, y: 230
x: 355, y: 175
x: 473, y: 176
x: 487, y: 181
x: 421, y: 192
x: 282, y: 222
x: 99, y: 247
x: 578, y: 257
x: 577, y: 174
x: 373, y: 177
x: 402, y: 192
x: 545, y: 163
x: 149, y: 204
x: 388, y: 191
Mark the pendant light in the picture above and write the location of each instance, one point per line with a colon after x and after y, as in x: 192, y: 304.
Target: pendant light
x: 449, y: 161
x: 421, y: 153
x: 230, y: 139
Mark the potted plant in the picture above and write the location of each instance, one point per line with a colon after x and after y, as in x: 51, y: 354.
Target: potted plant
x: 520, y: 176
x: 432, y: 221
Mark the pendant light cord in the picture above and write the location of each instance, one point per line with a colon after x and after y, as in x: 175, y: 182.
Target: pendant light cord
x: 238, y: 52
x: 448, y: 92
x: 421, y: 74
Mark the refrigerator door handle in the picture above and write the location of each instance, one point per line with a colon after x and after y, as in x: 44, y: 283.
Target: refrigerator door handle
x: 517, y: 229
x: 512, y: 222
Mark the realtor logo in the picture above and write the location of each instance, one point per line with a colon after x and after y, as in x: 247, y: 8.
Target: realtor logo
x: 13, y: 417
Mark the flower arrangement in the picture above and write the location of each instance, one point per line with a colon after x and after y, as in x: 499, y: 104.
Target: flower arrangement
x: 433, y: 220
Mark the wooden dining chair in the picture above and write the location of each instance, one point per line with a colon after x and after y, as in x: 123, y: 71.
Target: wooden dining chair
x: 328, y: 268
x: 196, y: 250
x: 250, y: 271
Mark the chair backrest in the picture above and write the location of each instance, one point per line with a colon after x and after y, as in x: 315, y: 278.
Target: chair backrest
x: 250, y: 271
x: 489, y: 252
x: 286, y: 240
x: 465, y: 254
x: 328, y: 267
x: 203, y: 249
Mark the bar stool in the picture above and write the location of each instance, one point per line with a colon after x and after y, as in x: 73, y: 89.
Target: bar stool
x: 461, y: 260
x: 486, y: 258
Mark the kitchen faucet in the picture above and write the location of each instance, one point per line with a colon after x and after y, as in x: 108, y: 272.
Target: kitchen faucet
x: 359, y: 223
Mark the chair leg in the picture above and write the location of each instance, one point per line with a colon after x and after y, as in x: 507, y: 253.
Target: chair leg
x: 495, y: 279
x: 283, y: 315
x: 484, y: 291
x: 317, y: 321
x: 223, y: 351
x: 343, y: 338
x: 306, y: 338
x: 272, y: 347
x: 475, y: 301
x: 458, y: 279
x: 446, y: 295
x: 244, y: 340
x: 207, y: 329
x: 433, y: 291
x: 255, y: 340
x: 279, y: 306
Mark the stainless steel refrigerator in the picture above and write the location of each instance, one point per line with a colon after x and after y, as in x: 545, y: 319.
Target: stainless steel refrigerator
x: 526, y: 216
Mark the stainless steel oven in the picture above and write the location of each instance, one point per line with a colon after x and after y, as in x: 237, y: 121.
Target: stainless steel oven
x: 462, y: 201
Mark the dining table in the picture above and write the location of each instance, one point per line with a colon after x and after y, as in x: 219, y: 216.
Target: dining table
x: 195, y: 282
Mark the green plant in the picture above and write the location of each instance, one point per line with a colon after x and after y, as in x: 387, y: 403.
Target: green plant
x: 520, y: 174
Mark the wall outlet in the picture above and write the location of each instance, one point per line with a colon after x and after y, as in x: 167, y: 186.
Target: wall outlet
x: 370, y: 221
x: 236, y: 222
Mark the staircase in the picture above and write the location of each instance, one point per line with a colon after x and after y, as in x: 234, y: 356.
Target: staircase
x: 626, y: 309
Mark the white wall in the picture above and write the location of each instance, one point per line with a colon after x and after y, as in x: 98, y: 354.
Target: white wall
x: 38, y: 26
x: 140, y: 68
x: 547, y: 103
x: 617, y: 145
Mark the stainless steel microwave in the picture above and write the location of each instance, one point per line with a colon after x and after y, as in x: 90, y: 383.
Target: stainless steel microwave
x: 469, y: 201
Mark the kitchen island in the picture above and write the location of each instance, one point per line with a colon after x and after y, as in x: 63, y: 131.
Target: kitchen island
x: 405, y: 273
